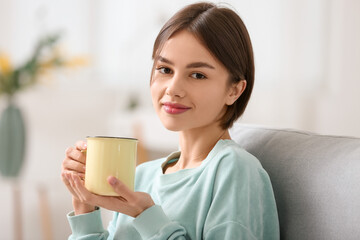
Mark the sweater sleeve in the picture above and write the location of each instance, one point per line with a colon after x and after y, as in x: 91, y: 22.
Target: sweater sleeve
x: 153, y: 224
x: 87, y: 226
x: 243, y: 205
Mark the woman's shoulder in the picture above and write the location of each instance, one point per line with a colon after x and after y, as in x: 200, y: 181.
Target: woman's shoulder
x: 228, y: 152
x: 234, y: 165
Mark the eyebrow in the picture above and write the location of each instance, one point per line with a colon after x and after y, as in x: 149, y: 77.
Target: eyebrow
x: 190, y: 65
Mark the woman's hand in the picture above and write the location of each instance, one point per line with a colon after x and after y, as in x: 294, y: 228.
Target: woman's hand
x: 74, y: 164
x: 129, y: 202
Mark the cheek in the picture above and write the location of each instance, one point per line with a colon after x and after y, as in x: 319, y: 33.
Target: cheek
x: 212, y: 102
x: 155, y: 90
x: 153, y: 94
x: 210, y: 95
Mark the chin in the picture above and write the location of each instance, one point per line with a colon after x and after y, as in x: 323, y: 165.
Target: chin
x: 170, y: 124
x: 172, y: 127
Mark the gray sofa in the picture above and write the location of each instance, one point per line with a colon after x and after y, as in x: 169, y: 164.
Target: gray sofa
x: 316, y: 180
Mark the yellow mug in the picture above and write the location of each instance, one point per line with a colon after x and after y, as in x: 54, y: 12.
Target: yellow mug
x: 109, y: 156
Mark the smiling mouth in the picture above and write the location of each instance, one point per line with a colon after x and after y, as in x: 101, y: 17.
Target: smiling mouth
x: 174, y: 108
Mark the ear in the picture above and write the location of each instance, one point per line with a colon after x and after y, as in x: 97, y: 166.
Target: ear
x: 235, y: 92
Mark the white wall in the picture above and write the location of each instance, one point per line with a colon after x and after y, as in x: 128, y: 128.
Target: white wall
x: 307, y: 77
x: 316, y: 85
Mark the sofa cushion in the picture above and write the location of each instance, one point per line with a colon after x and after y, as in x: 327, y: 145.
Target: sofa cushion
x: 316, y: 180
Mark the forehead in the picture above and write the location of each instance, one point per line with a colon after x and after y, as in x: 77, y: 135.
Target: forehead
x: 183, y: 45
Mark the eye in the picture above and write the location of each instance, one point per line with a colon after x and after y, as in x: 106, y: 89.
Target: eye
x: 198, y: 76
x: 164, y: 70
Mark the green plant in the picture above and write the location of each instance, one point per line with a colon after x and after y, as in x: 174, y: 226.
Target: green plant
x: 44, y: 57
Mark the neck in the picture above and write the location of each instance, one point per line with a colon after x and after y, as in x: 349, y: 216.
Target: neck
x: 195, y: 144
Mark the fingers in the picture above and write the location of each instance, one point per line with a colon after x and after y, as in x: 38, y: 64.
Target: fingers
x: 75, y: 166
x: 75, y: 154
x: 120, y: 188
x: 130, y: 203
x: 67, y: 179
x: 74, y: 161
x: 76, y: 184
x: 84, y: 195
x: 81, y: 145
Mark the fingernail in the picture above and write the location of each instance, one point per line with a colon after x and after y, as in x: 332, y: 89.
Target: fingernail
x: 85, y: 145
x: 113, y: 181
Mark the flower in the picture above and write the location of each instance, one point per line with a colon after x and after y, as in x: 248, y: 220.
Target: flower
x: 45, y: 57
x: 5, y: 65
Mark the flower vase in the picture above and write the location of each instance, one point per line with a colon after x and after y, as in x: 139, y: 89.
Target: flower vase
x: 12, y: 140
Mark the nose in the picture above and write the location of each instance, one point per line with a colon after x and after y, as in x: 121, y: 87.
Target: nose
x: 175, y: 87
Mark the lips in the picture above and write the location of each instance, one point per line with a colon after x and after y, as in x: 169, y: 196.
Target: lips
x: 174, y: 108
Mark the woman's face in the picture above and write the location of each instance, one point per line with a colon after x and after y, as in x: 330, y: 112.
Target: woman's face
x: 189, y: 86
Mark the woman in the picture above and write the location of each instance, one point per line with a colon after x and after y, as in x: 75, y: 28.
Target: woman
x: 201, y: 82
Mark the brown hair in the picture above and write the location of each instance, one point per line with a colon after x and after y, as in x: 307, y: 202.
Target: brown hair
x: 224, y: 34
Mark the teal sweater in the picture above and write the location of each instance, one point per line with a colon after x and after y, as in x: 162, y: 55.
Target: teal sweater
x: 229, y: 196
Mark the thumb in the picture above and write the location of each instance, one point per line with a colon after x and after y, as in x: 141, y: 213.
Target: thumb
x: 112, y: 180
x: 119, y: 187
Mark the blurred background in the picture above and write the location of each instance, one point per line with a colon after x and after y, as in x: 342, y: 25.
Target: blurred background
x: 307, y: 56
